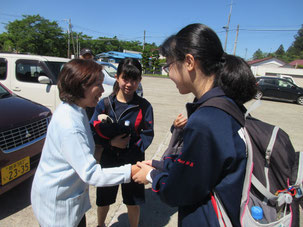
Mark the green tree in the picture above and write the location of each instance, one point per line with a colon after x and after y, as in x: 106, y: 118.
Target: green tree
x: 280, y: 52
x: 6, y: 45
x: 36, y: 35
x: 145, y: 61
x: 295, y: 51
x: 155, y: 62
x: 259, y: 55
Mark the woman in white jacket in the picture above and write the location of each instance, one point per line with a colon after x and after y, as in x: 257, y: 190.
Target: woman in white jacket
x: 67, y: 166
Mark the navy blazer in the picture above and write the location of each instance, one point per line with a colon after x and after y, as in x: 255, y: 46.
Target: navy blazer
x: 213, y: 157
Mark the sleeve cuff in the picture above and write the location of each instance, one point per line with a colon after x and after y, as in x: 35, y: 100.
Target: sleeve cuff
x: 127, y: 177
x: 148, y: 177
x: 158, y: 164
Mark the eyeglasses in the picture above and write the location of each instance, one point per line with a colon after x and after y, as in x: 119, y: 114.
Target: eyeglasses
x: 167, y: 66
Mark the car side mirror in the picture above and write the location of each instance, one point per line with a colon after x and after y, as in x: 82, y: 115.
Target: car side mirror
x: 44, y: 80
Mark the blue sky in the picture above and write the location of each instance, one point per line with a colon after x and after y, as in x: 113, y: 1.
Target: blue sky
x: 128, y: 19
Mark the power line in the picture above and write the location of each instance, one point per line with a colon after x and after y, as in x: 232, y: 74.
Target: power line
x: 10, y: 15
x: 271, y: 30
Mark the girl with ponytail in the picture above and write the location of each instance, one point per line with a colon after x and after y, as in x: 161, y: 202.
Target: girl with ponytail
x: 213, y: 156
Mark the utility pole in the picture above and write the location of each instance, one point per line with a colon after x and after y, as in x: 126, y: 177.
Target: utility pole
x: 72, y: 35
x: 227, y: 26
x: 236, y: 40
x: 68, y: 37
x: 77, y: 46
x: 144, y: 40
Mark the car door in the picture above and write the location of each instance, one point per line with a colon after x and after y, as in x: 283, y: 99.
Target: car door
x: 25, y: 83
x: 287, y: 90
x: 268, y: 87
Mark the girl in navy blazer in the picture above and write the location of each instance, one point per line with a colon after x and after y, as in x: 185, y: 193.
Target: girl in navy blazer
x: 213, y: 156
x: 123, y: 144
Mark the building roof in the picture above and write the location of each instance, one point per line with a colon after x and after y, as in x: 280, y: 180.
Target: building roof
x: 257, y: 61
x: 119, y: 55
x: 296, y: 62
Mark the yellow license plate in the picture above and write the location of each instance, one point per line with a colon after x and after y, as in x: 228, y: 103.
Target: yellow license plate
x: 12, y: 171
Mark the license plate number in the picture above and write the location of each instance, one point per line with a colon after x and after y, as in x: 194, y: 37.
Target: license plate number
x: 15, y: 170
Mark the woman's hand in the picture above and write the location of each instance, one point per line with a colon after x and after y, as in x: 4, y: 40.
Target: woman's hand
x: 180, y: 121
x: 119, y: 141
x: 140, y: 176
x: 135, y: 169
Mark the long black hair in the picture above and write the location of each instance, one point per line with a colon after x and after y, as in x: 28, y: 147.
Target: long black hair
x: 232, y: 73
x: 128, y: 68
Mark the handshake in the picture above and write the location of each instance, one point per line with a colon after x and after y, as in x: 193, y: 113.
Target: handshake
x: 141, y: 172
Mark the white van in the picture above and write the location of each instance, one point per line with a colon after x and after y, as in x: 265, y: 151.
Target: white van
x: 35, y: 77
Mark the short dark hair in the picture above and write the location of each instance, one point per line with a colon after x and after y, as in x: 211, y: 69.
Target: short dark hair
x: 76, y: 76
x: 232, y: 73
x: 129, y: 68
x: 86, y: 51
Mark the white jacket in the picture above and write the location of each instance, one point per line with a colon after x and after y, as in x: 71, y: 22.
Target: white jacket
x: 67, y: 166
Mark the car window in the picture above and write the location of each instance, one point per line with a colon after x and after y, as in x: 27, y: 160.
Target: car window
x: 269, y: 81
x: 110, y: 70
x: 283, y: 83
x: 4, y: 93
x: 55, y: 68
x: 289, y: 79
x: 3, y: 69
x: 29, y: 71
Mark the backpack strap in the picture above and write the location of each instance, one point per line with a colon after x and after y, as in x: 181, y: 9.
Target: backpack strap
x: 268, y: 153
x: 254, y: 106
x: 227, y: 106
x: 106, y: 105
x: 260, y: 187
x: 300, y: 169
x: 271, y: 144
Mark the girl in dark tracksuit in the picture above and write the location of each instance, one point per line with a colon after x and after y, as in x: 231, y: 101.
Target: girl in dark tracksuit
x: 123, y: 144
x: 213, y: 156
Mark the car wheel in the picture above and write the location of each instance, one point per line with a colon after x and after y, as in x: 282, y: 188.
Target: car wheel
x: 300, y: 100
x: 258, y: 95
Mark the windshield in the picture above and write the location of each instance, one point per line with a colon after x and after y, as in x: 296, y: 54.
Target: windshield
x: 111, y: 70
x: 55, y: 68
x: 4, y: 93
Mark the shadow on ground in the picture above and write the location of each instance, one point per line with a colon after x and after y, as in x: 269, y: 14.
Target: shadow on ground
x: 16, y: 199
x: 153, y: 212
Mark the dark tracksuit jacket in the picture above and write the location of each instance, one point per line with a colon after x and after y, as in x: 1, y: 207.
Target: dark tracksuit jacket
x: 140, y: 114
x: 213, y: 157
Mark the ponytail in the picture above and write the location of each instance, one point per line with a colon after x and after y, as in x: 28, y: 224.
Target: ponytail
x: 236, y: 79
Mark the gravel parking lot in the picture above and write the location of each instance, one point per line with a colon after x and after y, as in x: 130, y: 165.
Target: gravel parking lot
x: 167, y: 103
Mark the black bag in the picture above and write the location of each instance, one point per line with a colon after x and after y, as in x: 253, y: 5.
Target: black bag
x: 175, y: 143
x: 274, y: 171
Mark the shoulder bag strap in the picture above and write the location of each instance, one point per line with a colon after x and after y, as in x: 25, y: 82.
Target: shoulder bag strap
x: 227, y: 106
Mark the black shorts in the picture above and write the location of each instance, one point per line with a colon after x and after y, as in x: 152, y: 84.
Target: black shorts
x: 132, y: 193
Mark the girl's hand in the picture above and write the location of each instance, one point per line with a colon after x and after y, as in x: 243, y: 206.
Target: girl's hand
x: 135, y: 169
x: 140, y: 177
x: 180, y: 121
x: 119, y: 141
x: 147, y: 162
